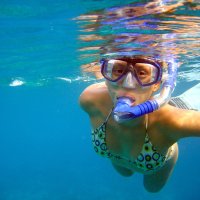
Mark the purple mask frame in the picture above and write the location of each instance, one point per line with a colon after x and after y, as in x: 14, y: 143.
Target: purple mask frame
x: 133, y: 61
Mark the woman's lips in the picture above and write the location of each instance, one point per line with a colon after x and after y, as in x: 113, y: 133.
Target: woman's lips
x: 133, y: 103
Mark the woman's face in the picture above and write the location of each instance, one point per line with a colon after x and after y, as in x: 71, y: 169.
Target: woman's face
x: 139, y: 93
x: 137, y: 78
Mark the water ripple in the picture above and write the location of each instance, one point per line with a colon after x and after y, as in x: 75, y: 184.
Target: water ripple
x: 158, y: 28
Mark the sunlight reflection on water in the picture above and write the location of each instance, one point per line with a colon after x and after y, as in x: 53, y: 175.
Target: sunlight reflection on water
x: 161, y: 29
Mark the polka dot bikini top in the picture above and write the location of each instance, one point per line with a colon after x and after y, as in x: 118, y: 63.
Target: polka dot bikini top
x: 148, y: 160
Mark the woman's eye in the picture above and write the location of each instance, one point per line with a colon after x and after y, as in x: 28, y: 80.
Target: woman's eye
x: 142, y: 73
x: 118, y: 71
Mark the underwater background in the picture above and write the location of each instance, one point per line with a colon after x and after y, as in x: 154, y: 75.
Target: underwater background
x: 48, y: 50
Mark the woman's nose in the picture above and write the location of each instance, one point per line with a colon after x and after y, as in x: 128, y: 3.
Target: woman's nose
x: 129, y: 81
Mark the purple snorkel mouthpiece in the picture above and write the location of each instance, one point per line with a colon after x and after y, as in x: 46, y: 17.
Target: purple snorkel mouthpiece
x: 124, y: 111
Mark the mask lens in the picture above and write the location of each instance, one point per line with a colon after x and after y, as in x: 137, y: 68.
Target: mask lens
x: 114, y: 69
x: 146, y: 73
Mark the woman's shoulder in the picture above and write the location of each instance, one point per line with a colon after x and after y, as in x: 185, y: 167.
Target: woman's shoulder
x: 93, y: 97
x: 94, y: 92
x: 168, y: 115
x: 95, y: 88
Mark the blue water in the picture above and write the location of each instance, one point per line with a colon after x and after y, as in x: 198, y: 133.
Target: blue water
x: 45, y: 143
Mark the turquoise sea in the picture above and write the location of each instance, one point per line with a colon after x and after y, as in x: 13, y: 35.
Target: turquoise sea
x: 48, y: 50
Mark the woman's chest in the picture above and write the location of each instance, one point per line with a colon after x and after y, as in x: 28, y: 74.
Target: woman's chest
x: 130, y: 142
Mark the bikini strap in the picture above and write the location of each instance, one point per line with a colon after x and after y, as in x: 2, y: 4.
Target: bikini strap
x: 109, y: 115
x: 146, y: 122
x: 146, y: 126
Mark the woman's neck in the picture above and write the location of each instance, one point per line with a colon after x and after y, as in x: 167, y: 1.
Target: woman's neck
x: 139, y: 122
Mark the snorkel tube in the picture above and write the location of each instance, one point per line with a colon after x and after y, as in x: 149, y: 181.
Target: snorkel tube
x: 123, y: 110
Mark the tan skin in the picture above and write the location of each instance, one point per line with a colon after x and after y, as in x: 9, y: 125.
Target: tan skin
x: 126, y: 139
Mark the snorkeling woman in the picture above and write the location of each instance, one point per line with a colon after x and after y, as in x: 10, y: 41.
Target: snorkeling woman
x: 136, y: 129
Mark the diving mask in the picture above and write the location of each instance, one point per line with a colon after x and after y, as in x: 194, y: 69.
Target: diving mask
x: 143, y: 70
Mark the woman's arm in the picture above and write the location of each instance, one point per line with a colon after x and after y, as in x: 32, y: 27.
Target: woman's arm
x: 188, y: 123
